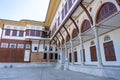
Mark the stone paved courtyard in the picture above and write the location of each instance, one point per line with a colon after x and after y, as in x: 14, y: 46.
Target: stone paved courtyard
x: 44, y: 74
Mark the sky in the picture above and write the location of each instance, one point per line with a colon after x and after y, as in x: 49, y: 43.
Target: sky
x: 24, y: 9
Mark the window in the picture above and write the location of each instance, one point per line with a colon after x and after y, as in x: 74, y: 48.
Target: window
x: 37, y: 33
x: 105, y: 11
x: 32, y: 32
x: 28, y: 46
x: 74, y: 33
x: 85, y: 26
x: 7, y: 32
x: 12, y: 45
x: 56, y: 56
x: 51, y: 48
x: 50, y: 56
x: 45, y: 55
x: 45, y: 48
x: 27, y: 32
x: 14, y: 33
x: 92, y: 43
x: 21, y: 33
x: 35, y: 48
x: 4, y: 45
x: 20, y: 45
x: 107, y: 38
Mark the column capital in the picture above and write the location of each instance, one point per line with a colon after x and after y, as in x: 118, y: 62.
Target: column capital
x: 94, y: 28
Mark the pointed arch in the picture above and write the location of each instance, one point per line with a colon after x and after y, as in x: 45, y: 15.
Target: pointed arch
x: 85, y: 25
x: 105, y: 11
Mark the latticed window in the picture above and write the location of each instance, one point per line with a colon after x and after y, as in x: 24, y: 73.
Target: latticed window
x: 20, y: 46
x: 38, y: 33
x: 92, y: 43
x: 12, y: 45
x: 32, y: 32
x: 106, y: 10
x: 4, y: 45
x: 7, y: 32
x: 74, y: 33
x: 14, y: 33
x: 107, y: 38
x: 85, y: 26
x: 21, y: 33
x: 27, y: 46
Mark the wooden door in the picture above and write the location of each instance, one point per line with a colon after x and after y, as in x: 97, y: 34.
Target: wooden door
x: 109, y: 51
x: 75, y: 57
x: 93, y: 53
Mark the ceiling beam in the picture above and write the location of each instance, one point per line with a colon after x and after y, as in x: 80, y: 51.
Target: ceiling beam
x: 61, y: 36
x: 75, y: 24
x: 87, y: 12
x: 66, y: 31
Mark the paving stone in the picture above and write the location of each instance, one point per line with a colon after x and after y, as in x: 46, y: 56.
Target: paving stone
x: 45, y: 74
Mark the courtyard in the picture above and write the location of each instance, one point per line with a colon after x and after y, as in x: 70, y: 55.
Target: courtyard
x: 44, y: 73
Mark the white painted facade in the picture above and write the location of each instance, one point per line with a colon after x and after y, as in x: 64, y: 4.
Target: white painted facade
x: 101, y: 66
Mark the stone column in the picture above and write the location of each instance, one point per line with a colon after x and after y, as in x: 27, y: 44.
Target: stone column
x: 61, y: 54
x: 72, y: 52
x: 81, y: 50
x: 66, y: 58
x: 95, y: 29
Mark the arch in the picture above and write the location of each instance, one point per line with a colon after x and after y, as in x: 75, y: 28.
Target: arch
x: 67, y: 38
x: 74, y: 33
x: 87, y: 12
x: 85, y: 25
x: 92, y: 43
x: 107, y: 38
x: 62, y: 42
x: 105, y: 11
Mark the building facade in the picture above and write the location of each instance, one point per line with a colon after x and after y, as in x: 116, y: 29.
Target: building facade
x: 82, y: 35
x: 25, y: 43
x: 87, y: 34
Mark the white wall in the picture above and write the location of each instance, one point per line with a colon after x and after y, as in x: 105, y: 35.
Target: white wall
x: 116, y: 41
